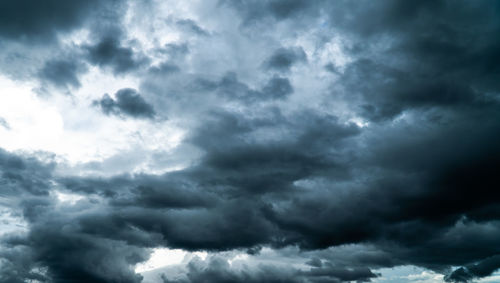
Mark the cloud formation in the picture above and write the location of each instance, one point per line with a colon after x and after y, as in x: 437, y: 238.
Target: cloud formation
x: 62, y: 73
x: 283, y: 59
x: 386, y: 157
x: 127, y: 102
x: 108, y: 52
x: 26, y: 19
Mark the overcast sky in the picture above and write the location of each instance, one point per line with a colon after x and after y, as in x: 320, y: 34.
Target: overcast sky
x: 245, y: 141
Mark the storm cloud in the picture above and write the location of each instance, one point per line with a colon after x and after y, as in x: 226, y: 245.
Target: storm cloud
x: 23, y: 20
x: 278, y: 168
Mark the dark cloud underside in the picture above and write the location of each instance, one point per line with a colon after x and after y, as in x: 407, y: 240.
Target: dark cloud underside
x: 27, y: 19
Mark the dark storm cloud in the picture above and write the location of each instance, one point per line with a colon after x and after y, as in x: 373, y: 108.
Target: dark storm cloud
x: 327, y: 272
x: 161, y: 197
x: 109, y: 52
x: 20, y: 174
x: 474, y: 271
x: 443, y: 56
x: 275, y: 164
x: 441, y: 72
x: 387, y: 92
x: 283, y: 59
x: 252, y: 182
x: 245, y: 174
x: 68, y: 256
x: 55, y: 249
x: 62, y: 73
x: 41, y: 20
x: 31, y: 32
x: 127, y: 102
x: 417, y: 184
x: 224, y: 190
x: 435, y: 189
x: 17, y: 263
x: 145, y: 191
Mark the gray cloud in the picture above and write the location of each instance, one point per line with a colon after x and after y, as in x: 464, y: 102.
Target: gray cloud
x: 282, y: 163
x: 277, y: 87
x: 230, y: 87
x: 253, y: 12
x: 109, y: 52
x: 474, y: 271
x: 127, y: 102
x: 26, y: 19
x: 191, y: 26
x: 218, y: 269
x: 18, y: 175
x: 283, y: 59
x: 175, y: 50
x: 62, y: 73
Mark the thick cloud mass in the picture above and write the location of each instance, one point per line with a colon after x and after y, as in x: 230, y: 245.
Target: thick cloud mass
x: 346, y: 137
x: 28, y: 19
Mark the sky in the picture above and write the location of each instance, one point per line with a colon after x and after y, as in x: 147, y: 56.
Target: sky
x: 244, y: 141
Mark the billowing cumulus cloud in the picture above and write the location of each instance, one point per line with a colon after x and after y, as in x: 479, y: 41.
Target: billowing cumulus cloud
x: 288, y: 141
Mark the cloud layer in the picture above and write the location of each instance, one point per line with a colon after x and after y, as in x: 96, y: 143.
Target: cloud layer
x: 346, y: 137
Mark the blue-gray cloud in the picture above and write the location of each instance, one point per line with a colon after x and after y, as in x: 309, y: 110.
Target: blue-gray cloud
x: 127, y: 102
x: 109, y: 52
x: 283, y: 59
x: 281, y: 161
